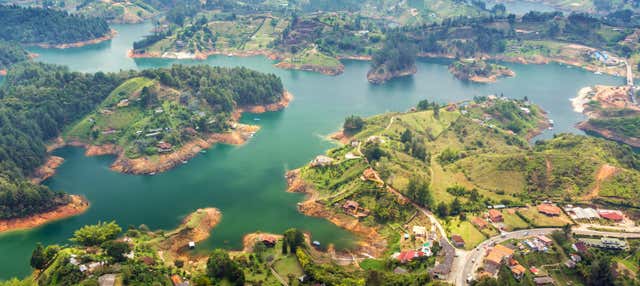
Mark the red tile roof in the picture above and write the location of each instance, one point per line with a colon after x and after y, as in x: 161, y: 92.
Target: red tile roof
x: 616, y: 216
x: 549, y: 209
x: 407, y: 256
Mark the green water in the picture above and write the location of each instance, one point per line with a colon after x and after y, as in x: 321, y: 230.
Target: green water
x: 246, y: 182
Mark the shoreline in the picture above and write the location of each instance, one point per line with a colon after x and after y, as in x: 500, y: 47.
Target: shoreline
x: 164, y: 162
x: 106, y: 37
x: 77, y: 206
x: 369, y: 240
x: 3, y: 72
x: 376, y: 78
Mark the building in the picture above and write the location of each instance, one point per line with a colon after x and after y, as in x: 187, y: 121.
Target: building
x: 479, y: 223
x: 107, y: 280
x: 457, y: 240
x: 442, y: 269
x: 321, y: 161
x: 580, y: 247
x: 495, y: 216
x: 612, y: 215
x: 350, y: 207
x: 268, y: 240
x: 497, y: 255
x: 164, y: 147
x: 419, y: 231
x: 545, y: 240
x: 549, y: 209
x: 541, y: 281
x: 409, y: 255
x: 177, y: 281
x: 518, y: 271
x: 575, y: 257
x: 582, y: 213
x: 605, y: 243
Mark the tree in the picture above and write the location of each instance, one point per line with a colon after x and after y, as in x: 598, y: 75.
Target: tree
x: 423, y: 104
x: 220, y: 266
x: 455, y: 207
x: 373, y: 152
x: 442, y: 210
x: 406, y: 136
x: 293, y: 238
x: 90, y: 235
x: 116, y: 249
x: 353, y: 124
x: 600, y: 273
x: 38, y: 259
x: 418, y: 191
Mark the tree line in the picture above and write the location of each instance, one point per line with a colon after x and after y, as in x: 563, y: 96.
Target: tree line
x: 47, y: 26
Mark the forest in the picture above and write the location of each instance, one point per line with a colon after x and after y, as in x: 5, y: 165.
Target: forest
x: 46, y: 26
x: 11, y: 53
x: 36, y: 102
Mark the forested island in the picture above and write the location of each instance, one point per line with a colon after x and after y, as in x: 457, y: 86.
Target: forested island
x: 181, y: 107
x: 50, y: 28
x: 477, y: 70
x: 397, y: 58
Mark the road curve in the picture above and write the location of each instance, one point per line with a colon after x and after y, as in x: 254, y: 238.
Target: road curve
x: 473, y: 259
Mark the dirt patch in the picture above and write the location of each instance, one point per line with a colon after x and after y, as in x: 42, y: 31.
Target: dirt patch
x: 250, y: 240
x: 47, y: 170
x: 370, y: 242
x: 606, y: 171
x: 287, y: 97
x: 77, y: 206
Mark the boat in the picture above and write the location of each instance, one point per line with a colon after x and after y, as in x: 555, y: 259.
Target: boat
x: 256, y: 119
x: 597, y: 72
x: 551, y: 122
x: 316, y: 243
x: 184, y: 162
x: 203, y: 151
x: 152, y: 173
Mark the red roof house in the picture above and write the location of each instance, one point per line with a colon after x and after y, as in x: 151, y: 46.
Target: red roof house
x: 407, y: 256
x: 611, y: 215
x: 549, y: 210
x: 495, y: 216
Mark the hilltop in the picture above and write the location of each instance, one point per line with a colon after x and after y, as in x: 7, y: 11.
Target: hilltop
x: 477, y: 70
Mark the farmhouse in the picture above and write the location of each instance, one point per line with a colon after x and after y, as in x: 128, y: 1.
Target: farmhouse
x: 479, y: 223
x: 457, y: 240
x: 612, y: 215
x: 495, y: 216
x: 549, y: 210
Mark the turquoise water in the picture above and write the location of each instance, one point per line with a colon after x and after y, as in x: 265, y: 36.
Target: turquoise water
x: 246, y: 182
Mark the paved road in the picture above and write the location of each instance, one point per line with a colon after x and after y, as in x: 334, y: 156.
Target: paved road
x: 473, y: 259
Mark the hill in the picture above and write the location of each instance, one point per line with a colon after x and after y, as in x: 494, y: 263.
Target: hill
x: 49, y: 27
x: 161, y: 118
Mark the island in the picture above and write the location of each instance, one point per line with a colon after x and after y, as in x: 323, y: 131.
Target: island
x: 397, y: 58
x: 477, y: 70
x: 612, y: 112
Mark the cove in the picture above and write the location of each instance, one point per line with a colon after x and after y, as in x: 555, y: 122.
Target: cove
x: 247, y: 182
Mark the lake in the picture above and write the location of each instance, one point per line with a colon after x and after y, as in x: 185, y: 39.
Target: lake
x: 247, y: 182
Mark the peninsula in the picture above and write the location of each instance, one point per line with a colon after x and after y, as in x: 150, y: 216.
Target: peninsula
x: 611, y: 111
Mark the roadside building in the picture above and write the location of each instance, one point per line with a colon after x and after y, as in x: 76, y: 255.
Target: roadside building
x: 579, y: 247
x: 545, y: 240
x: 611, y: 215
x: 479, y: 223
x: 497, y: 255
x: 495, y: 216
x: 605, y: 243
x: 409, y: 255
x: 549, y: 209
x: 543, y: 281
x: 579, y: 213
x: 518, y: 271
x: 442, y: 269
x: 420, y: 231
x: 457, y: 240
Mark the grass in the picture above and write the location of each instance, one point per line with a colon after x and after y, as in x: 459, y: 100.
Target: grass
x: 372, y: 264
x: 471, y: 235
x: 315, y: 58
x: 538, y: 219
x: 288, y: 265
x: 513, y: 221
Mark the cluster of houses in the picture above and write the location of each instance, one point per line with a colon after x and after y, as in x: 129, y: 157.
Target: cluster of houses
x: 420, y: 233
x: 579, y: 213
x: 605, y: 58
x: 605, y: 243
x: 503, y: 254
x: 539, y: 243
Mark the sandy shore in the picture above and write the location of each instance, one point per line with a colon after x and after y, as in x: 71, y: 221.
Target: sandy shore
x: 47, y: 170
x: 581, y: 99
x: 77, y: 206
x: 106, y: 37
x: 3, y: 72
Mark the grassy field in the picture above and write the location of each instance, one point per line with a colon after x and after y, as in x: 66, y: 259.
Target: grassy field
x: 471, y: 235
x: 313, y: 57
x: 513, y: 221
x: 288, y: 265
